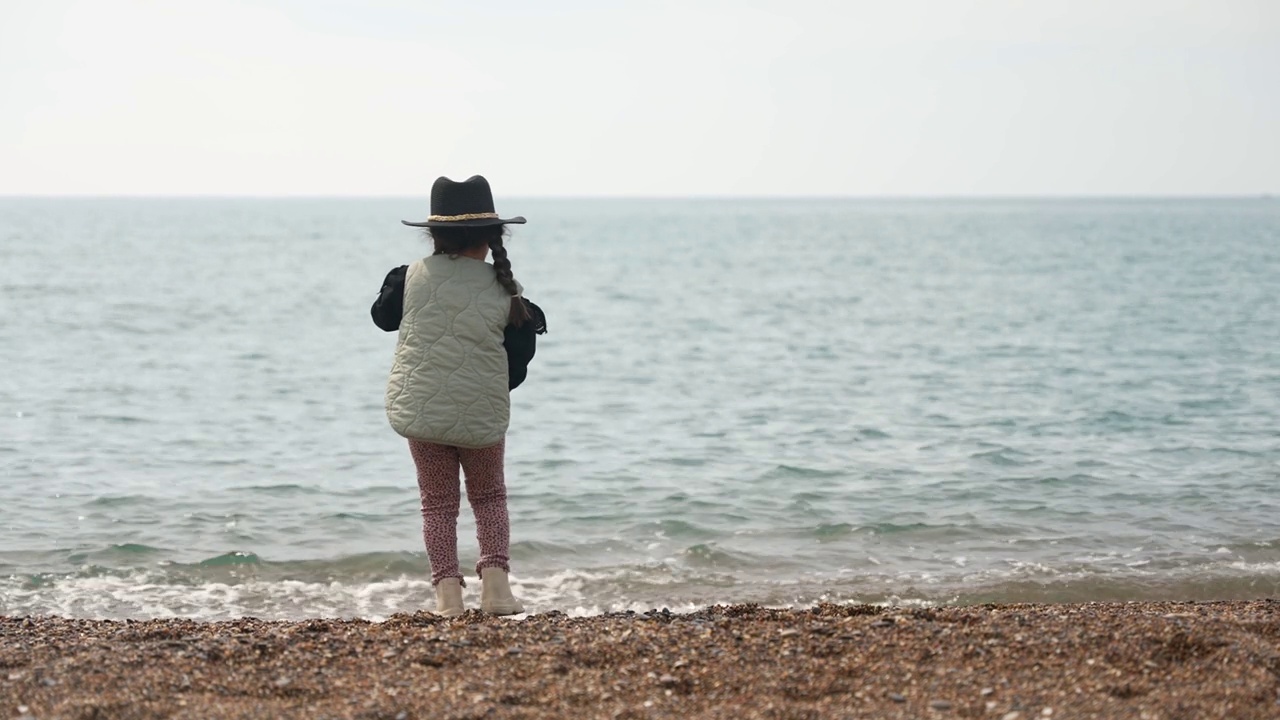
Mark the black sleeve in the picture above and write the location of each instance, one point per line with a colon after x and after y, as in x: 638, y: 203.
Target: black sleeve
x: 389, y: 306
x: 522, y: 343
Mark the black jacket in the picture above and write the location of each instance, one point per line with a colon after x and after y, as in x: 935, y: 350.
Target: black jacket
x: 520, y: 342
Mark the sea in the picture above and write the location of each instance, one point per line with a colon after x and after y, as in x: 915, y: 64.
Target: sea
x: 781, y: 401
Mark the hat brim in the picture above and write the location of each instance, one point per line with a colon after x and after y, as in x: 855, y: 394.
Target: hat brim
x: 481, y: 222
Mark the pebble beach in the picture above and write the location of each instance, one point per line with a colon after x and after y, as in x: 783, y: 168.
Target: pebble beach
x: 1008, y: 662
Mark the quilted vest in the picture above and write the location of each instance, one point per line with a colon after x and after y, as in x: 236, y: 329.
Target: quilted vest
x: 448, y: 382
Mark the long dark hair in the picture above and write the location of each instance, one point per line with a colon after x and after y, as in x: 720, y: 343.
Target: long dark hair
x: 455, y: 240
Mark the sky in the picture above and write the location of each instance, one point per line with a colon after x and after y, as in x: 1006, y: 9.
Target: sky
x: 658, y: 98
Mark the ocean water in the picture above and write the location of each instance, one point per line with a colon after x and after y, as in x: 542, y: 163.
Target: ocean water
x: 770, y: 401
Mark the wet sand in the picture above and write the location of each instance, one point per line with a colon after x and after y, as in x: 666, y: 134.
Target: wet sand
x: 1134, y: 660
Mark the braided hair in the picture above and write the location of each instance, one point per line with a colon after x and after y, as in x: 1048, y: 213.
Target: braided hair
x: 455, y: 240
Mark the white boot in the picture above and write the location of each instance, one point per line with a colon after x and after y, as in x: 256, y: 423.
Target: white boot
x: 495, y: 593
x: 449, y: 597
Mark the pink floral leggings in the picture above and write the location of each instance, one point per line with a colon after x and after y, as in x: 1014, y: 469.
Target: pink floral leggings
x: 486, y: 491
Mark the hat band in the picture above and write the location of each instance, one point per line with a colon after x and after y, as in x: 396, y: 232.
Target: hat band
x: 470, y: 216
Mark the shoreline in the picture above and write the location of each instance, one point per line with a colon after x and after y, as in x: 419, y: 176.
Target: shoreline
x: 1011, y: 662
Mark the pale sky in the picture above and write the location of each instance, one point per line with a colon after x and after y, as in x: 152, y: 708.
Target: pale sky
x: 698, y: 97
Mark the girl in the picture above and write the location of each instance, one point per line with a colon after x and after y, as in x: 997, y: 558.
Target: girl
x: 466, y: 339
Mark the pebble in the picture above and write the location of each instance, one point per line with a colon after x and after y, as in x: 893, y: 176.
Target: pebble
x: 573, y: 661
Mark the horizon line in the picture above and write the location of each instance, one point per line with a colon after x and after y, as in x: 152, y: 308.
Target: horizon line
x: 1260, y: 195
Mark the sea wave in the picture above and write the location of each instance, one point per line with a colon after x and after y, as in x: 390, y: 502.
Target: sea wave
x: 295, y: 591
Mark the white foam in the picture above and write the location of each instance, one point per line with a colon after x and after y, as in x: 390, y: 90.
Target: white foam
x: 157, y: 593
x: 142, y: 595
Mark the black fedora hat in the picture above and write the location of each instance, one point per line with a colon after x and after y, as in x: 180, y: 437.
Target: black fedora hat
x: 468, y: 203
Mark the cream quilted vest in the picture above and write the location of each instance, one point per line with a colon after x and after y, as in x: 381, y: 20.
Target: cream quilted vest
x: 449, y: 380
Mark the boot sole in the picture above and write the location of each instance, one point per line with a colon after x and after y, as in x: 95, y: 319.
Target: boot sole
x: 496, y: 609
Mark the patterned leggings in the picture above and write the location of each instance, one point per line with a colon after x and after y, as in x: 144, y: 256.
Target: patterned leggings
x: 486, y: 491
